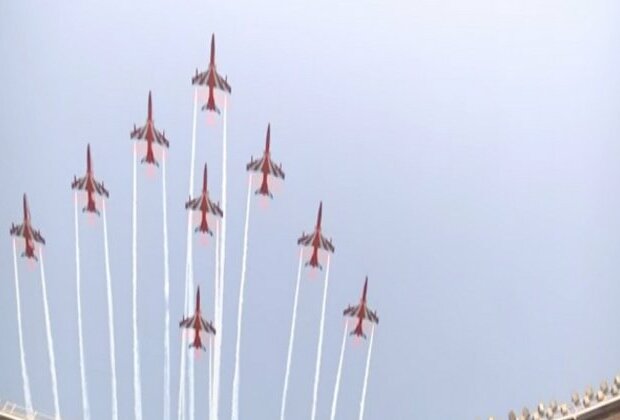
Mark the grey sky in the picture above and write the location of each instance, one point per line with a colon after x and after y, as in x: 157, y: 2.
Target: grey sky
x: 466, y: 153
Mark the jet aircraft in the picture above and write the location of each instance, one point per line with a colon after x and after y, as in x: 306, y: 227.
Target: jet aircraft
x: 212, y: 79
x: 266, y: 167
x: 90, y: 185
x: 151, y: 135
x: 26, y: 231
x: 317, y: 241
x: 361, y: 312
x: 205, y: 206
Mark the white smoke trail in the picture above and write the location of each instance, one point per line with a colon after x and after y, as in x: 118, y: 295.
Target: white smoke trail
x: 85, y: 405
x: 22, y: 353
x: 218, y: 336
x: 50, y: 341
x: 134, y: 282
x: 190, y: 266
x: 181, y: 403
x: 319, y: 352
x: 365, y: 387
x: 235, y: 396
x: 188, y: 269
x: 292, y: 337
x: 210, y: 376
x: 108, y: 277
x: 339, y: 372
x: 215, y: 316
x: 166, y: 293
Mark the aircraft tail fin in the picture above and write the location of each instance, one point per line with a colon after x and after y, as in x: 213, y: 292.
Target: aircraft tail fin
x: 209, y: 106
x: 358, y: 331
x: 151, y: 160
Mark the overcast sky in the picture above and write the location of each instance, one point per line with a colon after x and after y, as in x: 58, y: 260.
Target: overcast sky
x: 466, y: 153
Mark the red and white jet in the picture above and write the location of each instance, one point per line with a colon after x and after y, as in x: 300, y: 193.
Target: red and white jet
x: 317, y: 241
x: 265, y: 166
x: 212, y: 79
x: 197, y: 323
x: 26, y: 231
x: 204, y: 205
x: 361, y: 312
x: 149, y: 133
x: 90, y: 185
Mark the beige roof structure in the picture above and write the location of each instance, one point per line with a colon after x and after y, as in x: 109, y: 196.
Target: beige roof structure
x: 12, y: 411
x: 602, y: 404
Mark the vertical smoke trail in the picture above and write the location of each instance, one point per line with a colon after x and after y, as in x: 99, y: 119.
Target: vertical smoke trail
x: 22, y: 353
x: 215, y: 317
x: 218, y: 336
x: 50, y: 341
x: 108, y: 277
x: 339, y: 372
x: 134, y: 283
x: 365, y: 387
x: 190, y: 290
x: 188, y: 263
x: 235, y: 396
x: 166, y: 293
x: 210, y: 375
x: 292, y: 338
x: 181, y: 403
x: 320, y: 346
x: 85, y: 405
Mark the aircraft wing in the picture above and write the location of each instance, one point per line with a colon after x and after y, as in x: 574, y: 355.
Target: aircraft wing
x: 17, y: 230
x: 221, y: 83
x: 351, y: 311
x: 187, y: 322
x: 272, y: 169
x: 36, y: 235
x: 208, y: 327
x: 306, y: 240
x: 255, y: 165
x: 138, y: 133
x: 372, y: 316
x: 193, y: 204
x: 326, y: 244
x: 160, y: 138
x: 100, y: 189
x: 276, y: 170
x: 79, y: 184
x: 215, y: 209
x: 201, y: 78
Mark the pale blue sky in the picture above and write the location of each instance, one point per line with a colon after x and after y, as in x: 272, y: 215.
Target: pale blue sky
x: 466, y: 153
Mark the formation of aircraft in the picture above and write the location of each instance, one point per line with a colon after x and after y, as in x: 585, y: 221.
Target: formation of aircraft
x: 205, y: 206
x: 151, y: 135
x: 26, y: 231
x: 266, y: 167
x: 317, y: 241
x: 361, y: 312
x: 263, y: 165
x: 198, y: 324
x: 212, y: 79
x: 90, y: 185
